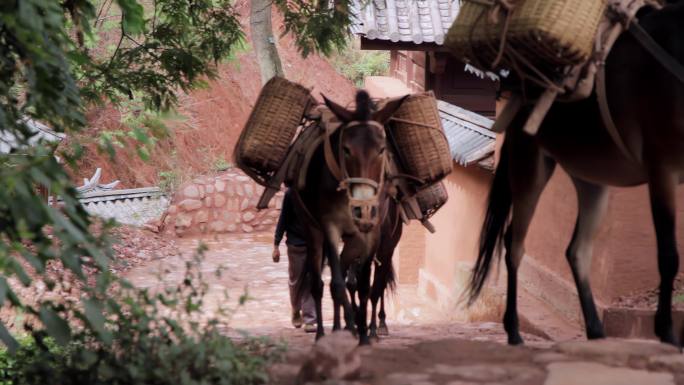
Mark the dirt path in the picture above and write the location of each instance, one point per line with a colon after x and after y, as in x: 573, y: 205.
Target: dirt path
x: 424, y: 347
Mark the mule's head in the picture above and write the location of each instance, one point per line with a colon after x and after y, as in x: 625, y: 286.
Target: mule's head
x: 361, y: 156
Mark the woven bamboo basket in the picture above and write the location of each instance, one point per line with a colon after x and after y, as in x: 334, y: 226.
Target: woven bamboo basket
x: 431, y: 199
x: 268, y: 133
x: 549, y: 33
x: 417, y: 134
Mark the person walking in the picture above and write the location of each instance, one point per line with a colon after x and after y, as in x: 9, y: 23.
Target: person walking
x: 289, y: 223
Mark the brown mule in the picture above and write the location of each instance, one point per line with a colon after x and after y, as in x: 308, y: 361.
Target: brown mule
x: 342, y: 195
x: 646, y: 104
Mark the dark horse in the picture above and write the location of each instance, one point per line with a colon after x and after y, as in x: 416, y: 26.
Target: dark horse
x: 345, y: 184
x: 647, y: 105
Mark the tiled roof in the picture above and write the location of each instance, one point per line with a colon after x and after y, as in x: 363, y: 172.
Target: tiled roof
x: 469, y: 135
x: 8, y: 141
x: 416, y: 21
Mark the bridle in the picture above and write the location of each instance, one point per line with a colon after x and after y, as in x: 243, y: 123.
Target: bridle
x: 369, y: 207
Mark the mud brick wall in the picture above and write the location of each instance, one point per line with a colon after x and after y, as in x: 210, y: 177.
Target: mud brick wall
x: 225, y: 203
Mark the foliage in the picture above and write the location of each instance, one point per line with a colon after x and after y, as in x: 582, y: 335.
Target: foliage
x: 355, y: 64
x: 151, y: 338
x: 316, y: 25
x: 221, y: 164
x: 52, y: 67
x: 168, y: 180
x: 48, y: 72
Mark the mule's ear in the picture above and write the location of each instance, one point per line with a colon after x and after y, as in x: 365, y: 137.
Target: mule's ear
x: 342, y: 113
x: 384, y: 114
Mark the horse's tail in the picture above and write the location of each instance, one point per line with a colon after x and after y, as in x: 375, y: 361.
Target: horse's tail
x: 391, y: 279
x: 494, y: 226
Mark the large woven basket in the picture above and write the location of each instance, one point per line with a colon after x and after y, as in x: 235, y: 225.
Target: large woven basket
x: 431, y: 199
x: 266, y: 138
x: 545, y: 32
x: 417, y: 134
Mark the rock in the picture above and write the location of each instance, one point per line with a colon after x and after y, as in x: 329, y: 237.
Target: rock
x: 278, y: 203
x: 230, y: 189
x: 614, y: 351
x: 249, y: 190
x: 228, y: 216
x: 244, y: 205
x: 207, y: 202
x: 172, y: 209
x: 218, y: 226
x: 239, y: 191
x: 671, y: 362
x: 232, y: 228
x: 402, y: 378
x: 191, y: 191
x: 202, y: 216
x: 183, y: 221
x: 267, y: 221
x: 333, y: 357
x: 219, y: 200
x: 248, y: 216
x: 190, y: 204
x: 242, y: 178
x: 152, y: 227
x: 209, y: 189
x: 247, y: 228
x: 274, y: 213
x: 220, y: 186
x: 548, y: 357
x: 583, y: 373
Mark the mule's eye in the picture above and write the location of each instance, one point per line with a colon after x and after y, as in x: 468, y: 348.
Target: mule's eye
x: 347, y: 153
x: 382, y: 150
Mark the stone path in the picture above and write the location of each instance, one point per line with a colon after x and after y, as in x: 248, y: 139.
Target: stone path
x: 424, y: 348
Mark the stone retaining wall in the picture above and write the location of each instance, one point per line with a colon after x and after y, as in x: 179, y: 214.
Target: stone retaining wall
x: 225, y: 203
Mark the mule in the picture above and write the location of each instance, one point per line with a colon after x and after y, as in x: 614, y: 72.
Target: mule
x: 341, y: 199
x: 646, y: 104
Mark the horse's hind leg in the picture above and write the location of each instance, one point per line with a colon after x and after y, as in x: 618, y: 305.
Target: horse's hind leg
x: 662, y: 188
x: 529, y: 173
x: 375, y: 295
x: 382, y: 329
x: 592, y: 202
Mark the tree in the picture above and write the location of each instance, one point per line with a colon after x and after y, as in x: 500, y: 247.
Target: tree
x: 264, y: 41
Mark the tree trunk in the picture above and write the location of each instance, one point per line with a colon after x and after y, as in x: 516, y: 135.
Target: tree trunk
x: 264, y: 41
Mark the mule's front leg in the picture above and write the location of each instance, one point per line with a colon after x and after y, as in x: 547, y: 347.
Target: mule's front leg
x: 364, y: 290
x: 592, y: 202
x: 662, y: 188
x: 337, y: 284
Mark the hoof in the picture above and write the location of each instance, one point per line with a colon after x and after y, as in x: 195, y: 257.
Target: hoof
x: 669, y: 338
x: 383, y: 330
x: 319, y: 335
x: 364, y: 341
x: 515, y: 339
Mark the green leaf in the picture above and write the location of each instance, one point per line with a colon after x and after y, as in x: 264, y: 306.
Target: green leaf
x: 56, y: 326
x: 95, y: 315
x: 133, y: 16
x: 7, y: 339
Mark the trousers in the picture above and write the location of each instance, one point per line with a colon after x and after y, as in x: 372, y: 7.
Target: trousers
x: 296, y: 256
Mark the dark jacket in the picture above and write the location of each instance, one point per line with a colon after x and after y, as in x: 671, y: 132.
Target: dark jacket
x: 289, y: 223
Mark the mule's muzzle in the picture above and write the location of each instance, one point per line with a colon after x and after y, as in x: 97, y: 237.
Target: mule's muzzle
x: 365, y: 214
x: 364, y: 200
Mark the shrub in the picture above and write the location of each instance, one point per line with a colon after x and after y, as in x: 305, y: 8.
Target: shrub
x: 144, y: 338
x: 355, y: 64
